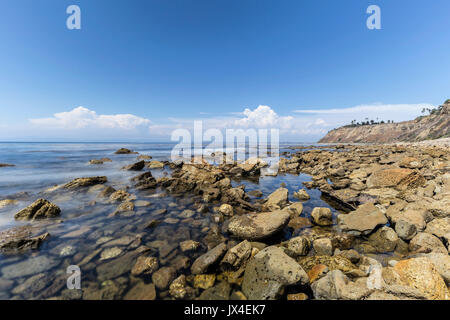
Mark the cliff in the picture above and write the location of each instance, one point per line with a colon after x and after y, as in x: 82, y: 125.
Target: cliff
x: 434, y: 126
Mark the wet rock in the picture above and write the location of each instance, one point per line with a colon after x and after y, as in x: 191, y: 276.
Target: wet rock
x: 4, y: 165
x: 405, y: 230
x: 298, y: 246
x: 237, y: 255
x: 135, y: 166
x: 226, y: 210
x: 269, y: 272
x: 119, y: 196
x: 32, y: 286
x: 145, y: 265
x: 20, y: 239
x: 40, y: 209
x: 155, y: 165
x: 30, y: 266
x: 85, y: 182
x: 189, y: 245
x: 323, y: 247
x: 363, y: 220
x: 106, y: 192
x: 302, y: 195
x: 110, y: 253
x: 258, y: 226
x: 204, y: 281
x: 297, y: 296
x: 294, y: 209
x: 116, y: 267
x: 322, y: 216
x: 205, y: 261
x: 332, y: 262
x: 177, y: 288
x: 298, y: 223
x: 220, y: 291
x: 384, y: 239
x: 125, y: 151
x: 351, y: 255
x: 317, y: 272
x: 421, y: 274
x: 277, y: 200
x: 426, y: 243
x: 141, y: 291
x: 163, y: 277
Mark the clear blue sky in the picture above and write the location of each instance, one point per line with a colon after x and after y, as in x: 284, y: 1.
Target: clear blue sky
x: 182, y: 58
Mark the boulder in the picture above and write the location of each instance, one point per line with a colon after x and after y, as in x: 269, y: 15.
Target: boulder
x: 269, y: 272
x: 298, y: 246
x: 163, y: 277
x: 145, y: 265
x: 363, y: 220
x: 237, y: 255
x: 384, y: 239
x: 323, y: 247
x: 20, y: 239
x: 205, y: 261
x: 398, y: 178
x: 135, y: 166
x: 332, y: 262
x: 439, y: 227
x: 226, y: 210
x: 441, y: 262
x: 422, y: 275
x: 40, y: 209
x: 258, y: 226
x: 85, y: 182
x: 277, y: 200
x: 405, y: 230
x: 155, y: 164
x: 322, y: 216
x: 425, y: 243
x: 302, y: 195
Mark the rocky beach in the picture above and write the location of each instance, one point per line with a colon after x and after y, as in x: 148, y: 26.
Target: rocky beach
x: 338, y: 221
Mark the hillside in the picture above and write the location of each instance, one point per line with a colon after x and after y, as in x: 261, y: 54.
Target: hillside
x: 434, y: 126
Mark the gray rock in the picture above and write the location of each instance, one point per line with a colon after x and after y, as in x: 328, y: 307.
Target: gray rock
x: 323, y: 247
x: 258, y: 226
x: 384, y: 239
x: 163, y: 277
x: 202, y: 263
x: 269, y: 272
x: 405, y: 230
x: 277, y: 199
x: 298, y: 246
x: 363, y: 220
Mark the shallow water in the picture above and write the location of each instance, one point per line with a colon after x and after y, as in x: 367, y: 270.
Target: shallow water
x: 87, y: 227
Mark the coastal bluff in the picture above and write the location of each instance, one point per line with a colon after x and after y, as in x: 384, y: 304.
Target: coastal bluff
x: 434, y: 126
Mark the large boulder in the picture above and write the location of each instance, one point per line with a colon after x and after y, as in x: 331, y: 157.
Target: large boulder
x: 322, y: 216
x: 135, y: 166
x: 269, y: 272
x: 399, y: 178
x: 277, y: 199
x: 441, y: 262
x: 40, y: 209
x: 258, y: 226
x: 421, y: 274
x: 363, y: 220
x: 384, y: 239
x: 425, y: 243
x: 439, y: 227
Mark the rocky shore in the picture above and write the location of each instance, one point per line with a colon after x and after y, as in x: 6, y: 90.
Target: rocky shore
x: 195, y: 231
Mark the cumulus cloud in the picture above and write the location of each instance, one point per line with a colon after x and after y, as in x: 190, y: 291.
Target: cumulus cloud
x: 81, y: 117
x: 263, y: 117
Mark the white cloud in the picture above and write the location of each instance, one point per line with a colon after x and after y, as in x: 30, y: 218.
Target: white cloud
x: 81, y: 118
x: 263, y: 117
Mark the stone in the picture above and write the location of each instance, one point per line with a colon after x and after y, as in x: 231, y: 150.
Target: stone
x: 336, y: 286
x: 145, y: 265
x: 204, y: 281
x: 397, y: 178
x: 135, y: 166
x: 189, y: 245
x: 30, y: 266
x: 415, y: 217
x: 205, y: 261
x: 177, y: 288
x: 40, y: 209
x: 298, y: 223
x: 125, y: 151
x: 85, y: 182
x: 302, y: 195
x: 332, y: 262
x: 116, y: 267
x: 163, y: 277
x: 322, y: 216
x: 226, y: 210
x: 119, y: 196
x: 110, y: 253
x: 277, y: 200
x: 323, y: 247
x: 384, y: 239
x: 317, y: 272
x: 363, y: 220
x: 421, y: 274
x: 258, y: 226
x: 439, y: 227
x: 298, y: 246
x: 441, y: 262
x: 220, y: 291
x: 269, y: 272
x: 425, y: 243
x: 405, y: 230
x: 141, y: 291
x: 155, y: 165
x: 19, y: 239
x: 237, y: 255
x: 294, y: 209
x: 297, y: 296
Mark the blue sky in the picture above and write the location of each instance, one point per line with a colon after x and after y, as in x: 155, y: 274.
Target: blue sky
x: 169, y: 62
